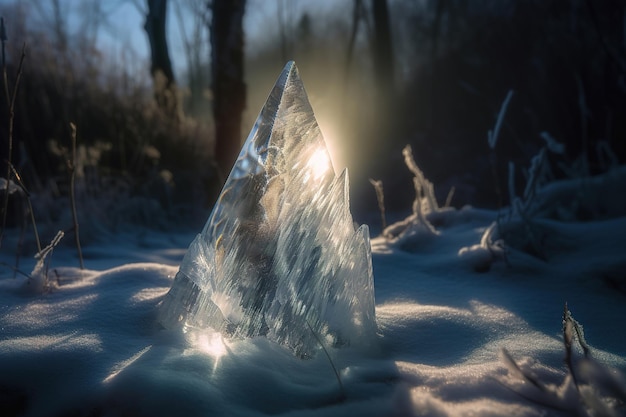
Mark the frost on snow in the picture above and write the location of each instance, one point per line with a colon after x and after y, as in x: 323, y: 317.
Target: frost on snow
x: 279, y: 256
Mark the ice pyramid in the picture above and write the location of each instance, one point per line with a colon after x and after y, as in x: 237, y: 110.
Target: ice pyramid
x: 279, y: 255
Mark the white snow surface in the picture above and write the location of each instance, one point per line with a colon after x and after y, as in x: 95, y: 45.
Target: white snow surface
x: 91, y: 345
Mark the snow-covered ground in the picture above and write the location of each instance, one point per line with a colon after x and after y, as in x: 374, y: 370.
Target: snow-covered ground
x: 473, y: 308
x: 90, y: 345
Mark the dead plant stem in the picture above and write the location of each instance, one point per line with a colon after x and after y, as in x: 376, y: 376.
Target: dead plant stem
x: 11, y: 102
x: 18, y: 178
x: 332, y: 364
x: 72, y: 168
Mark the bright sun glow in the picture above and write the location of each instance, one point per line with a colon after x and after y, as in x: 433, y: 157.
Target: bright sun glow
x: 329, y: 126
x: 212, y: 343
x: 319, y: 163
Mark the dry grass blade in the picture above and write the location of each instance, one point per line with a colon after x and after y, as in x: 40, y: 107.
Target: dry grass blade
x: 332, y: 364
x: 10, y: 97
x: 449, y: 196
x: 18, y: 178
x: 72, y: 168
x: 15, y: 270
x: 380, y: 197
x: 512, y: 365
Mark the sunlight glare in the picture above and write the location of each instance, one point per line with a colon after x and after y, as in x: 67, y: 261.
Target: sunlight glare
x: 209, y: 342
x: 212, y: 343
x: 319, y: 163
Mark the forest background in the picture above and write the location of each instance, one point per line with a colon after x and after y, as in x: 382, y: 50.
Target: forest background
x: 158, y: 125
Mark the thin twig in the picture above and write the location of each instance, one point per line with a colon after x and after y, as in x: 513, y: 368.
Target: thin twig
x: 492, y: 139
x: 543, y: 403
x: 380, y: 196
x: 492, y: 135
x: 506, y: 356
x: 72, y: 168
x: 18, y: 178
x: 20, y: 242
x: 332, y: 364
x: 15, y: 269
x: 449, y: 197
x: 3, y: 38
x: 11, y: 102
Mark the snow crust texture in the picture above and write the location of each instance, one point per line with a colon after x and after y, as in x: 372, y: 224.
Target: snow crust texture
x: 279, y: 255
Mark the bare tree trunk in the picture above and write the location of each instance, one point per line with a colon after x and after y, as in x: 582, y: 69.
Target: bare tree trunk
x: 60, y: 26
x: 229, y: 89
x: 434, y: 62
x: 161, y: 65
x: 196, y: 51
x: 357, y: 15
x: 383, y: 126
x: 382, y: 49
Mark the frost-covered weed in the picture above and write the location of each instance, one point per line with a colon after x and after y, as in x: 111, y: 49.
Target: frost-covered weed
x: 588, y: 388
x: 415, y: 230
x: 577, y: 199
x: 39, y: 281
x: 516, y: 225
x: 425, y: 201
x: 481, y: 256
x: 581, y: 197
x: 418, y: 228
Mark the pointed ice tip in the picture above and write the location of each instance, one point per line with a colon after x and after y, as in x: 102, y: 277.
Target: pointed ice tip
x: 290, y: 66
x: 287, y: 76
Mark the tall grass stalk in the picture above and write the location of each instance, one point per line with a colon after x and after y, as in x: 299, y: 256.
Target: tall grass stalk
x: 380, y: 197
x: 71, y: 164
x: 492, y: 135
x: 15, y: 270
x: 3, y: 39
x: 449, y: 196
x: 26, y: 194
x: 492, y: 139
x: 332, y: 364
x: 18, y: 178
x: 10, y: 97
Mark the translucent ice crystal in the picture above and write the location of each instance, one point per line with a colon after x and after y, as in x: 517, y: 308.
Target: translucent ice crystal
x: 279, y: 256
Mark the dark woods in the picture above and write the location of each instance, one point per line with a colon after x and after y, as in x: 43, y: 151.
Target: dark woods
x: 565, y: 62
x: 382, y: 74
